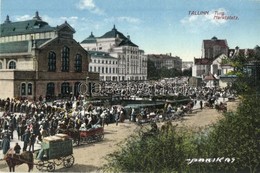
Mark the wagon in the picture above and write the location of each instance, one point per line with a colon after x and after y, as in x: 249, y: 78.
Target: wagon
x: 55, y: 150
x: 91, y: 135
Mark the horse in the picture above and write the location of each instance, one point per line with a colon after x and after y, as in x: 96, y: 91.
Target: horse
x: 221, y: 107
x: 17, y: 159
x: 72, y: 133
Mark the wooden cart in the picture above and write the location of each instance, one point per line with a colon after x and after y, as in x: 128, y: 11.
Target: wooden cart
x: 55, y: 150
x: 92, y: 135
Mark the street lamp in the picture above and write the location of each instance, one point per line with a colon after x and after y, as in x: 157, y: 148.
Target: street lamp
x: 88, y: 89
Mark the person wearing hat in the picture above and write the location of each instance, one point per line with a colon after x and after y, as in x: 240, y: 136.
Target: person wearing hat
x: 17, y: 148
x: 5, y: 144
x: 26, y: 139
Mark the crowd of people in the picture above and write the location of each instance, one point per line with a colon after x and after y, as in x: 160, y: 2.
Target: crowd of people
x: 34, y: 120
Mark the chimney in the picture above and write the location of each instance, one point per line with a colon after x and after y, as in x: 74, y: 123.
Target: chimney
x: 31, y: 44
x: 128, y: 37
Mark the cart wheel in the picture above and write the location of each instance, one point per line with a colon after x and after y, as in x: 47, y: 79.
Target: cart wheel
x: 40, y: 165
x: 87, y: 140
x: 68, y: 161
x: 51, y: 166
x: 100, y: 137
x: 82, y: 139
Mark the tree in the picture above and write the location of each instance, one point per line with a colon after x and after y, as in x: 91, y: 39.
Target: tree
x: 247, y: 69
x: 238, y: 136
x: 187, y: 72
x: 152, y: 72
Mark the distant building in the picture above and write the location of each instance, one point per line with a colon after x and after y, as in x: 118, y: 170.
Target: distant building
x: 214, y: 47
x: 213, y: 68
x: 37, y: 59
x: 166, y: 60
x: 211, y: 50
x: 203, y: 68
x: 131, y: 61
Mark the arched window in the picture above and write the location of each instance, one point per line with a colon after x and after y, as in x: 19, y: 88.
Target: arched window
x: 65, y: 59
x: 1, y: 65
x: 78, y: 63
x: 52, y: 61
x: 50, y: 89
x: 65, y: 89
x: 12, y: 65
x: 76, y: 89
x: 29, y: 89
x: 23, y: 89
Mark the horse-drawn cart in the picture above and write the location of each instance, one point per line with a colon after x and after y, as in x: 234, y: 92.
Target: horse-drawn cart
x: 91, y: 135
x: 55, y: 150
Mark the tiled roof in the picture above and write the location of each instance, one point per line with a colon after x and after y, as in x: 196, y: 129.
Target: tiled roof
x: 99, y: 54
x: 18, y: 46
x: 162, y: 56
x: 36, y: 25
x: 209, y: 77
x: 14, y: 47
x: 127, y: 42
x: 203, y: 61
x: 113, y: 34
x: 242, y: 51
x: 24, y: 27
x: 214, y: 41
x: 90, y: 39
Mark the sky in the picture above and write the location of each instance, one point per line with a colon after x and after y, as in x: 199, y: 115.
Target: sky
x: 156, y: 26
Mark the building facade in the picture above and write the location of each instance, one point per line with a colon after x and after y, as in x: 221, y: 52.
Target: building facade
x: 214, y: 47
x: 104, y: 64
x: 37, y: 59
x: 131, y: 61
x: 211, y: 50
x: 166, y: 60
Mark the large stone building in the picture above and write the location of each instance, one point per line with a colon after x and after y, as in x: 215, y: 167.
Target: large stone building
x: 166, y: 60
x: 211, y: 50
x: 104, y: 64
x: 202, y: 69
x: 37, y: 59
x: 131, y: 61
x: 214, y: 47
